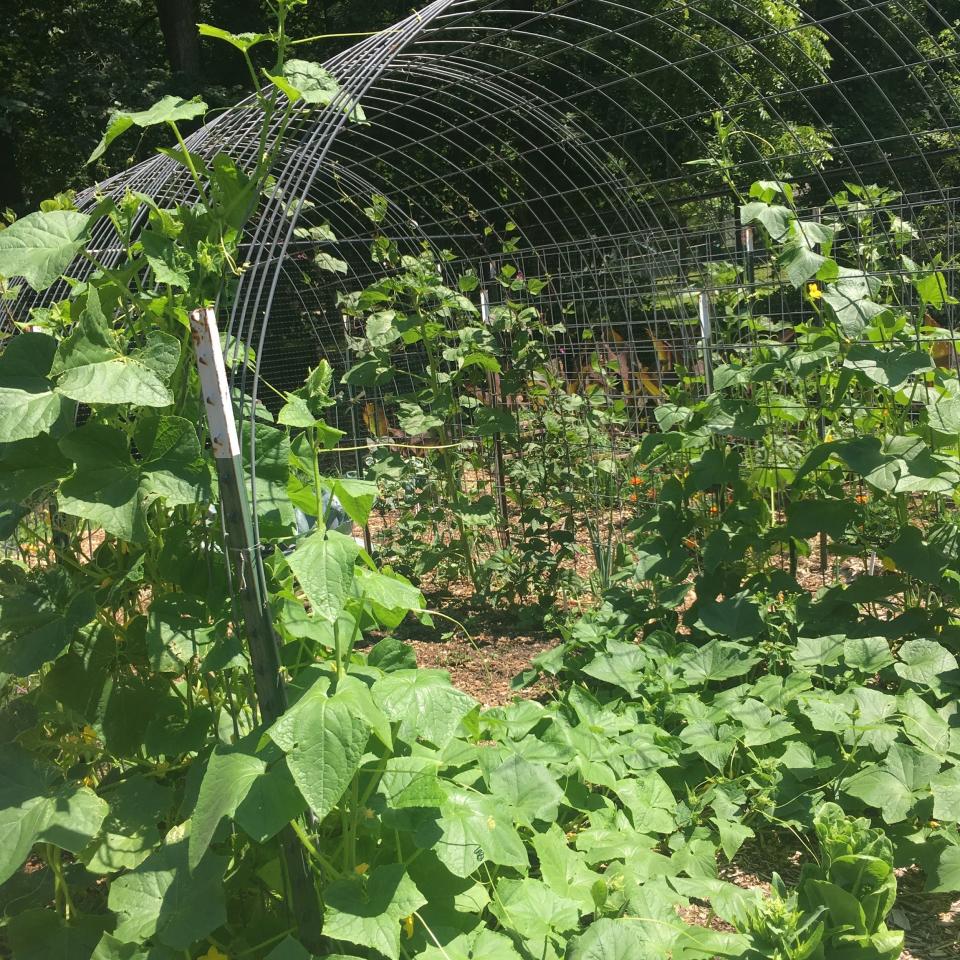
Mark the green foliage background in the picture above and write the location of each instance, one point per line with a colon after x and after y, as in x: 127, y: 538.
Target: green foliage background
x: 65, y: 66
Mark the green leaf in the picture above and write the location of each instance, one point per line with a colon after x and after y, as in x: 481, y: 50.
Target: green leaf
x: 28, y: 404
x: 867, y: 654
x: 169, y: 262
x: 138, y: 805
x: 290, y: 949
x: 775, y: 219
x: 871, y: 727
x: 945, y: 877
x: 94, y: 369
x: 391, y: 654
x: 414, y: 420
x: 170, y: 461
x: 805, y: 518
x: 732, y: 836
x: 330, y: 263
x: 323, y: 739
x: 39, y: 616
x: 272, y: 801
x: 113, y: 491
x: 736, y: 617
x: 530, y: 789
x: 296, y: 413
x: 241, y: 41
x: 323, y: 563
x: 943, y: 415
x: 161, y: 897
x: 45, y: 935
x: 800, y: 263
x: 390, y: 594
x: 412, y: 782
x: 40, y: 246
x: 528, y: 908
x: 28, y: 465
x: 650, y: 802
x: 481, y: 944
x: 864, y: 456
x: 716, y: 660
x: 424, y: 704
x: 890, y: 368
x: 894, y: 786
x: 356, y: 496
x: 614, y: 940
x: 170, y: 109
x: 473, y: 827
x: 272, y: 459
x: 945, y: 788
x: 226, y: 782
x: 923, y: 725
x: 933, y: 289
x: 925, y: 662
x: 110, y: 948
x: 368, y: 911
x: 35, y: 806
x: 850, y: 299
x: 563, y: 869
x: 310, y: 82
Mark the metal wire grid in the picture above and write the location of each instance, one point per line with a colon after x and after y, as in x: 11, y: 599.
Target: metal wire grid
x: 572, y: 119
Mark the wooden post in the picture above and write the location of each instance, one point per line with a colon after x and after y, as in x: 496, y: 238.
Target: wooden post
x: 242, y: 550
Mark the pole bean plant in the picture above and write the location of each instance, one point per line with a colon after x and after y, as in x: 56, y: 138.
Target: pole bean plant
x: 701, y: 704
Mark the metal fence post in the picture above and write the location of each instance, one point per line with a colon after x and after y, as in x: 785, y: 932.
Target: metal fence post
x: 254, y: 602
x: 493, y: 388
x: 706, y: 338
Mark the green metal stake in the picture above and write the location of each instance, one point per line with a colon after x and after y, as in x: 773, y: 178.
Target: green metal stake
x: 254, y: 605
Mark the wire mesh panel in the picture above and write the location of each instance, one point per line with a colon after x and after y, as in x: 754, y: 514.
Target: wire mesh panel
x: 603, y: 149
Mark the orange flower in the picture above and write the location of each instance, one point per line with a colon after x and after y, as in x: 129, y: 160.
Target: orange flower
x: 690, y: 543
x: 861, y: 498
x: 633, y: 497
x: 635, y: 481
x: 714, y: 510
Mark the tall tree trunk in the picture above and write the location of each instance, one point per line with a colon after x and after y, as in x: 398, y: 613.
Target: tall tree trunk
x: 178, y: 23
x: 11, y: 187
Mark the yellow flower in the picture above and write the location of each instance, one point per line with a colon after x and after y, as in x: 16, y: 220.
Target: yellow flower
x: 89, y: 781
x: 814, y: 292
x: 214, y: 954
x: 361, y: 868
x: 408, y: 926
x: 88, y: 734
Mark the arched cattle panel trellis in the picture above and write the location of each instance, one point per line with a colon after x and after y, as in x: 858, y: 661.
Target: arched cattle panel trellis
x: 579, y: 122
